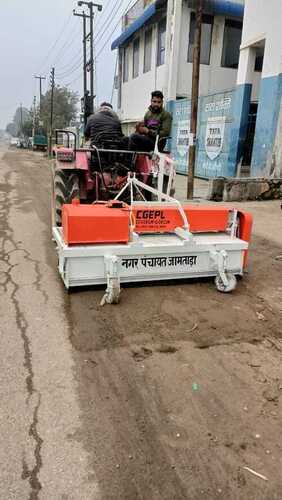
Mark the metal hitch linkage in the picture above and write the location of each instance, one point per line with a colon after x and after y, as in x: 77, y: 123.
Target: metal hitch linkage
x: 112, y: 292
x: 132, y: 182
x: 224, y: 281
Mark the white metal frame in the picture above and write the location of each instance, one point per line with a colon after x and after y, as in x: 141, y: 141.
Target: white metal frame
x: 133, y: 182
x: 160, y: 160
x: 149, y: 258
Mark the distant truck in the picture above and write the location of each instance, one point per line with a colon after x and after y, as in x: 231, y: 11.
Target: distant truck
x: 39, y: 142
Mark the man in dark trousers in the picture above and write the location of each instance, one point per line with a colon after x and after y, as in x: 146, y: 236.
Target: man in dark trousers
x: 104, y: 125
x: 157, y: 122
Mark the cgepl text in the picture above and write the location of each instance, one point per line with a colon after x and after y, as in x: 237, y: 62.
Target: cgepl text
x: 150, y: 214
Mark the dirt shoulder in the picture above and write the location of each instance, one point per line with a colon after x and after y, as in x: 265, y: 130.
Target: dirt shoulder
x: 185, y: 382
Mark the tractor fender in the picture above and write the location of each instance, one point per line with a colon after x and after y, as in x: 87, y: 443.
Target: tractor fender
x: 79, y: 163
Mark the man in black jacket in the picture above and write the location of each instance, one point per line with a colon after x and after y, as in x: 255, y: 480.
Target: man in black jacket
x: 104, y: 125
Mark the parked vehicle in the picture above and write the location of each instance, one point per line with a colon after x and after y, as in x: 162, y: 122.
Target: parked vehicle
x: 14, y: 142
x: 39, y: 142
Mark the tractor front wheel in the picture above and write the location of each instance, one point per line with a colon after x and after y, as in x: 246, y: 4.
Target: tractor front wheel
x: 65, y: 189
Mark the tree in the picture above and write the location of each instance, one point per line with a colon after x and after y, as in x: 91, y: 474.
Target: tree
x: 11, y: 129
x: 21, y: 115
x: 64, y: 111
x: 27, y: 128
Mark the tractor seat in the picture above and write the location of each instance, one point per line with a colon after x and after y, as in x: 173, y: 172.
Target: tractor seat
x: 110, y: 144
x: 110, y: 152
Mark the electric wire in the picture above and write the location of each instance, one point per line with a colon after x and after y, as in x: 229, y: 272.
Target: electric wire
x: 71, y: 69
x: 105, y: 43
x: 66, y: 23
x: 101, y: 18
x: 75, y: 58
x: 64, y: 48
x: 108, y: 22
x: 113, y: 31
x: 73, y: 81
x: 67, y: 70
x: 95, y: 72
x: 78, y: 67
x: 62, y: 79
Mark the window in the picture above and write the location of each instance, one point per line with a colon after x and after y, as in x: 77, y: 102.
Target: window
x: 231, y: 44
x: 259, y: 59
x: 135, y: 69
x: 161, y: 42
x: 125, y: 64
x: 206, y: 38
x: 259, y: 63
x: 148, y: 50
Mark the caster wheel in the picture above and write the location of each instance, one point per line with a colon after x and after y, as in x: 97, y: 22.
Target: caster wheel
x: 232, y: 282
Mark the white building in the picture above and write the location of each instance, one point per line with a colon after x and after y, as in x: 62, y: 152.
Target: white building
x: 155, y: 51
x: 261, y: 37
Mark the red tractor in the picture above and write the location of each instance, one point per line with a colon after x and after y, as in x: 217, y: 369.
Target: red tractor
x: 93, y: 174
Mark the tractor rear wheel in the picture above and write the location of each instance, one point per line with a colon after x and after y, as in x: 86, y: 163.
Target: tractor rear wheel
x: 65, y: 189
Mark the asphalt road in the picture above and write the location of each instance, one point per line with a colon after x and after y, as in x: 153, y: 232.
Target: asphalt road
x: 40, y: 411
x: 167, y: 396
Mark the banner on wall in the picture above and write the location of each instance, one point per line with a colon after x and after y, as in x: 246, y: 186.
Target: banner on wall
x: 182, y: 141
x: 215, y: 121
x: 214, y: 136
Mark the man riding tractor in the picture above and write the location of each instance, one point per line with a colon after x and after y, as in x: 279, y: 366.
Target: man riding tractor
x: 103, y: 126
x: 157, y: 123
x: 100, y: 171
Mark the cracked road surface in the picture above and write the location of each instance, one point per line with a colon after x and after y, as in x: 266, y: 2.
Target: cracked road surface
x: 40, y: 411
x: 167, y: 396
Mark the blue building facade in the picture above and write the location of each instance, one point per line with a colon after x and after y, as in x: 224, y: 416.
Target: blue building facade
x: 222, y: 133
x: 240, y: 130
x: 215, y: 125
x: 261, y: 48
x: 263, y: 159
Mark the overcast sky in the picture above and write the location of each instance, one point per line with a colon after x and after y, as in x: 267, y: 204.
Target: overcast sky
x: 29, y: 29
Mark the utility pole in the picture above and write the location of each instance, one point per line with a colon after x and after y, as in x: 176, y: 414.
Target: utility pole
x: 34, y: 117
x: 90, y: 64
x: 84, y: 56
x: 91, y: 55
x: 40, y: 78
x: 52, y: 83
x: 84, y: 41
x: 21, y: 117
x: 194, y: 99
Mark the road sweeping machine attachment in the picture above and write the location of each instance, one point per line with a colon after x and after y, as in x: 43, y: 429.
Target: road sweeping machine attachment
x: 113, y: 242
